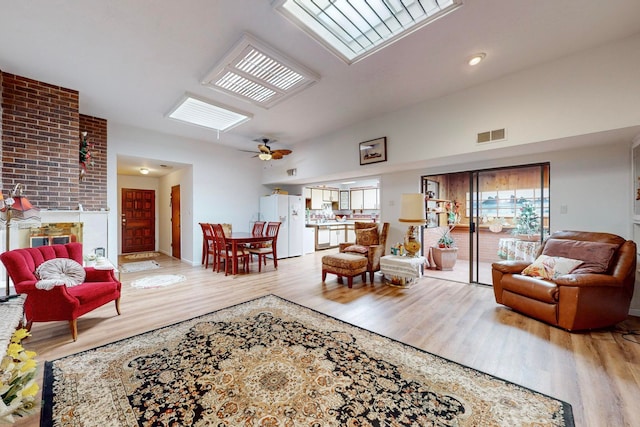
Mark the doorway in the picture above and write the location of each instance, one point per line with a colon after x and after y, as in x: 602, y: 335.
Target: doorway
x: 491, y: 214
x: 138, y: 220
x: 175, y: 222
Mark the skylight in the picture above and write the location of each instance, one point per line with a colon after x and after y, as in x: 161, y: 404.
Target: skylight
x: 258, y: 73
x: 201, y: 112
x: 353, y: 29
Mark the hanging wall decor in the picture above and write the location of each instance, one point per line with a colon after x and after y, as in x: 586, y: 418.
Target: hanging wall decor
x: 86, y: 158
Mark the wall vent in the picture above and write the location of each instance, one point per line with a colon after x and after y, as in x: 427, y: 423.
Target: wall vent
x: 292, y: 172
x: 492, y: 135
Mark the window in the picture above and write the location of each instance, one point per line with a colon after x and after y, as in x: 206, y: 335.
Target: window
x: 353, y: 29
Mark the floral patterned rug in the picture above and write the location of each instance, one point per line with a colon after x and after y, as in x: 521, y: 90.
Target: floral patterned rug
x: 271, y: 362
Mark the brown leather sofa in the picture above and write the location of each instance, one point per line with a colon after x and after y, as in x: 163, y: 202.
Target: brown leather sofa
x: 581, y: 299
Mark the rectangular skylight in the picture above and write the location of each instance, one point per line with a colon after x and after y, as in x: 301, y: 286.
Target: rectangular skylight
x: 258, y: 73
x: 353, y: 29
x: 201, y: 112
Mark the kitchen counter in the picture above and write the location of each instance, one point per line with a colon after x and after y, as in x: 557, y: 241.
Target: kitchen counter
x: 331, y: 233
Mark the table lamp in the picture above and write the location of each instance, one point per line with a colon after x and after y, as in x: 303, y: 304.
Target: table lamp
x: 16, y: 207
x: 412, y: 212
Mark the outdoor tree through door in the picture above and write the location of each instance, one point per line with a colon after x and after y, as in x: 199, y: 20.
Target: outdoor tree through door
x: 138, y: 220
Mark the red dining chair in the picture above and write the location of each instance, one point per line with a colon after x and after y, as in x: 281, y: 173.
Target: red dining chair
x: 257, y: 230
x: 208, y: 245
x: 270, y: 248
x: 225, y: 253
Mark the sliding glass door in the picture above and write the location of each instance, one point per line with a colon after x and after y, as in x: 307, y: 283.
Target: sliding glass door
x: 492, y: 214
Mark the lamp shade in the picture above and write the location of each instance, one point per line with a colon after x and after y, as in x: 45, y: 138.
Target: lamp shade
x: 412, y: 210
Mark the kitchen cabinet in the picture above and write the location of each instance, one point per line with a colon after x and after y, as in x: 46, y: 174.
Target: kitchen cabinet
x: 337, y: 236
x: 370, y: 198
x: 326, y: 196
x: 323, y: 236
x: 316, y: 198
x: 307, y: 192
x: 357, y: 199
x: 335, y: 195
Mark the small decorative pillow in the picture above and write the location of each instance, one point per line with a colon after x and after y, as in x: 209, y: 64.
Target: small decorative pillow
x: 58, y: 272
x: 551, y: 267
x: 367, y: 236
x: 357, y: 249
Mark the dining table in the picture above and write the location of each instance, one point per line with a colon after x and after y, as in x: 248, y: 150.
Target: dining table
x: 237, y: 238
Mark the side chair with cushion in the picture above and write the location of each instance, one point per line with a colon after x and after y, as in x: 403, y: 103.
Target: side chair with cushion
x: 208, y: 245
x: 256, y: 230
x: 269, y: 248
x: 370, y: 243
x: 224, y: 251
x: 56, y: 284
x: 579, y: 280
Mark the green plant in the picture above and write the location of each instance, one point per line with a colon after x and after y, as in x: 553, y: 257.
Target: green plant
x: 445, y: 240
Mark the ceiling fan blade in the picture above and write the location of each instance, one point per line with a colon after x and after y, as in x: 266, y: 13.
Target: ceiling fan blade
x: 264, y: 148
x: 283, y: 152
x: 275, y: 155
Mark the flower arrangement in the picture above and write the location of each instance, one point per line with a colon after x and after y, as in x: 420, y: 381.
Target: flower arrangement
x: 18, y: 387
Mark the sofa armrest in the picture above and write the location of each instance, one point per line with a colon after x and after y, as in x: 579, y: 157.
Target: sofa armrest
x: 510, y: 267
x: 95, y: 275
x: 588, y: 280
x: 345, y: 245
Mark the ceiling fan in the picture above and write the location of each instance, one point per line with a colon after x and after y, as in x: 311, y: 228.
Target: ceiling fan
x: 266, y: 153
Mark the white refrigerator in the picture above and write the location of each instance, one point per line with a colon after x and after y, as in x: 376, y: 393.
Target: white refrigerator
x: 289, y: 210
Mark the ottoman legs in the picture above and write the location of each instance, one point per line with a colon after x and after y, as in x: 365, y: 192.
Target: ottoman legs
x: 349, y: 278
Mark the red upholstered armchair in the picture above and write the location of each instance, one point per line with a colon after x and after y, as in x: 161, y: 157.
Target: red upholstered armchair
x: 60, y: 302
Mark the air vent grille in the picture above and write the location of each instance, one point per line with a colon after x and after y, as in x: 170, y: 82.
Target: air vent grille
x: 492, y: 135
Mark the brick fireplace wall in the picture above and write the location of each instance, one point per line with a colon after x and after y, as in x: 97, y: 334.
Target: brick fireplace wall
x: 40, y: 130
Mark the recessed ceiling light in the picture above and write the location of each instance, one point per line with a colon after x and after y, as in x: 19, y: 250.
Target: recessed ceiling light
x: 201, y: 112
x: 144, y: 171
x: 477, y: 58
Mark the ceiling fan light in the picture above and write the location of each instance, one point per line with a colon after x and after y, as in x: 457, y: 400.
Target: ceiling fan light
x: 264, y: 156
x: 144, y: 171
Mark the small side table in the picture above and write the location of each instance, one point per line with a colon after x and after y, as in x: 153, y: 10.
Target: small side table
x: 401, y: 271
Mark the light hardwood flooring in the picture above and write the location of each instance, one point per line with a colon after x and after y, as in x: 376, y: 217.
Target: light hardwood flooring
x: 598, y: 373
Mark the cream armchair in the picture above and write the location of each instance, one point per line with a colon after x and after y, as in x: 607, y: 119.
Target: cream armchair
x: 370, y: 242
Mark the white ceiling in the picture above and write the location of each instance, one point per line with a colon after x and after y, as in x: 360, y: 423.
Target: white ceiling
x: 132, y: 61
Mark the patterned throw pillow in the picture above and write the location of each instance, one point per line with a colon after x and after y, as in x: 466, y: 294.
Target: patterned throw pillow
x: 58, y: 272
x: 367, y: 236
x: 551, y: 267
x: 359, y: 249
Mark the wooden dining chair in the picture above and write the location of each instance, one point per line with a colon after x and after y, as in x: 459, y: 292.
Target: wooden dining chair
x: 270, y: 249
x: 257, y: 230
x: 208, y: 245
x: 224, y: 251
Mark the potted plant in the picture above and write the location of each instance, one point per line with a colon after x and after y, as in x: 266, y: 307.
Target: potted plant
x: 445, y: 253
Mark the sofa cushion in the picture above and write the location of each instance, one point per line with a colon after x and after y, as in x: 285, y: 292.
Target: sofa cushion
x: 551, y: 267
x: 58, y: 272
x: 596, y: 256
x: 367, y: 236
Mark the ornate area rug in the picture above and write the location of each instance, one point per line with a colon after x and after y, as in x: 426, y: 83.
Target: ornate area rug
x: 142, y: 255
x: 270, y: 362
x: 133, y: 267
x: 158, y: 281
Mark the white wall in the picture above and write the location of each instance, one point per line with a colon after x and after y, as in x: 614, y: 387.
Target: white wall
x: 224, y: 185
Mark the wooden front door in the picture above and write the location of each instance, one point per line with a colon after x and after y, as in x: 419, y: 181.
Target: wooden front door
x: 138, y: 220
x: 175, y: 221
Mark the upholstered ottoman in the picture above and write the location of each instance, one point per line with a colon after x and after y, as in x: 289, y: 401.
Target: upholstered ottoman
x: 347, y: 265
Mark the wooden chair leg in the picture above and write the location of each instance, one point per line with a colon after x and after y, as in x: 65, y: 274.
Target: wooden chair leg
x: 73, y: 325
x: 118, y: 306
x: 324, y: 275
x: 364, y: 278
x: 350, y: 281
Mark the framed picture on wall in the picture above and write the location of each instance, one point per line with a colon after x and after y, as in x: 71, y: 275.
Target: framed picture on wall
x: 373, y: 151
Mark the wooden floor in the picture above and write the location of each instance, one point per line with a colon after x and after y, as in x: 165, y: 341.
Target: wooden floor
x: 598, y: 373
